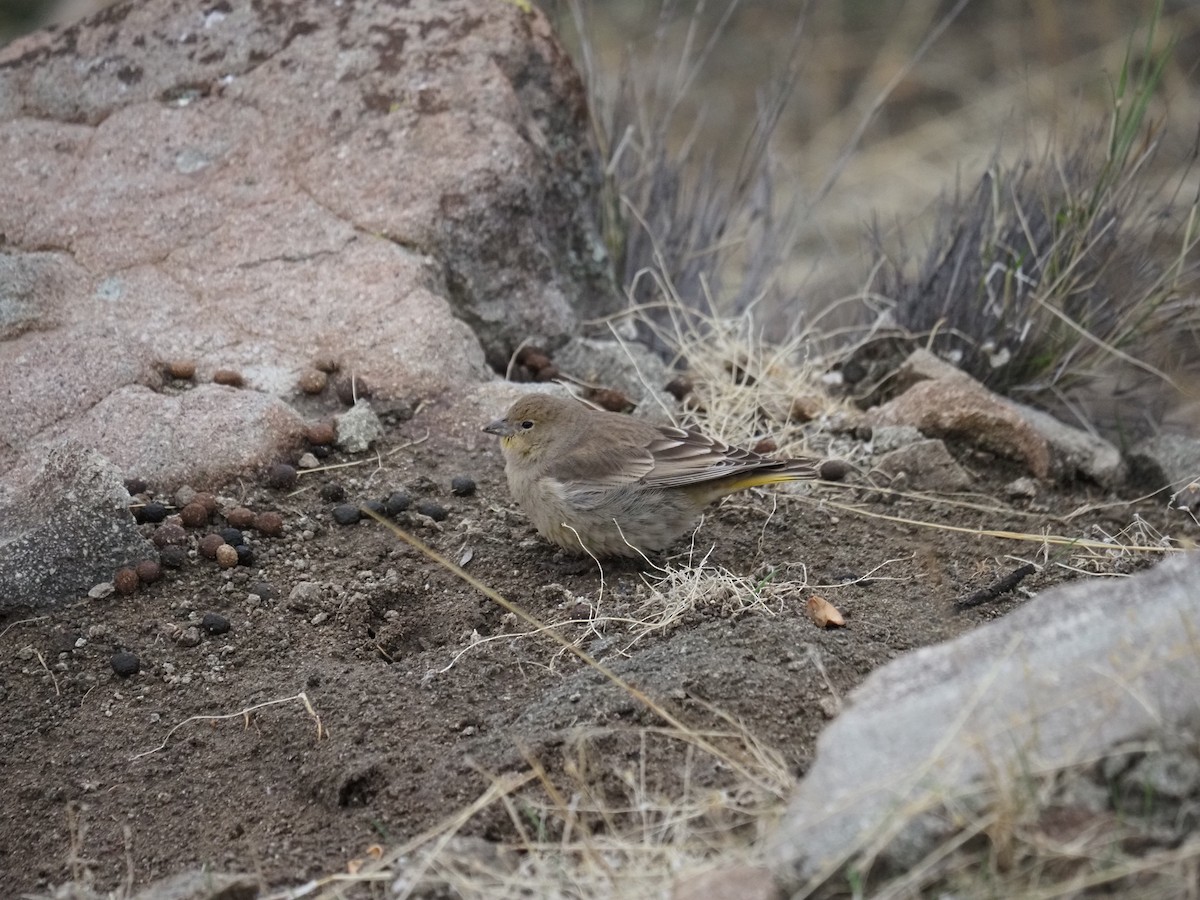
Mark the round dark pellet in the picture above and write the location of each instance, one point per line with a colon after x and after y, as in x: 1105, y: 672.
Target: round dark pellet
x: 435, y: 511
x: 126, y: 580
x: 346, y: 514
x: 172, y: 557
x: 332, y: 492
x: 282, y: 475
x: 375, y: 506
x: 135, y: 485
x: 154, y: 512
x: 263, y: 589
x: 209, y: 544
x: 194, y: 515
x: 232, y: 536
x: 462, y: 485
x: 148, y: 571
x: 125, y: 664
x: 214, y: 623
x: 245, y: 555
x: 269, y: 523
x: 240, y: 517
x: 169, y: 534
x: 396, y: 503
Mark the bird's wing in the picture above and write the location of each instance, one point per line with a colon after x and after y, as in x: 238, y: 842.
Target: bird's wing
x: 685, y: 456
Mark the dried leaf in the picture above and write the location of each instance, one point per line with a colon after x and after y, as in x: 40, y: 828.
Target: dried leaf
x: 824, y: 613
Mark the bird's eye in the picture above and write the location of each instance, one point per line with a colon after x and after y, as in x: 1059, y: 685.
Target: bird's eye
x: 527, y: 424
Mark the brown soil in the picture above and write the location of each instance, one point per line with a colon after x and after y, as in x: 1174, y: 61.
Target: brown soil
x: 415, y: 720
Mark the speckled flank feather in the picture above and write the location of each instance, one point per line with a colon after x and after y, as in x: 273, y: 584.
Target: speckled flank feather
x: 615, y: 481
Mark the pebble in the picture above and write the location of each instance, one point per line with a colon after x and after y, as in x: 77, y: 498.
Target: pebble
x: 102, y: 590
x: 282, y: 475
x: 172, y: 557
x: 209, y: 544
x: 214, y: 623
x: 240, y: 517
x: 194, y: 515
x: 307, y: 461
x: 332, y: 492
x: 321, y: 434
x: 126, y: 580
x: 148, y: 571
x: 350, y: 389
x: 154, y: 512
x: 396, y: 503
x: 269, y: 523
x: 320, y: 618
x: 183, y: 369
x: 184, y: 495
x: 232, y: 536
x: 263, y: 589
x: 462, y: 485
x: 188, y: 637
x: 125, y: 664
x: 226, y: 556
x: 435, y: 511
x: 229, y: 378
x: 169, y: 534
x: 313, y: 381
x: 135, y: 486
x: 346, y: 514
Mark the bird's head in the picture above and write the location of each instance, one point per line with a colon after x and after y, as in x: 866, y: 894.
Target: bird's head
x: 533, y: 423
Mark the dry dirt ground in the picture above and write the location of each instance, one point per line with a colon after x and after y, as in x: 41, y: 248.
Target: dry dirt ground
x: 425, y: 690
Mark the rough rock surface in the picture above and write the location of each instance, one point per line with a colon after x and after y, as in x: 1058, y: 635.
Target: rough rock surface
x: 252, y: 187
x: 1069, y: 677
x: 928, y: 466
x: 69, y: 530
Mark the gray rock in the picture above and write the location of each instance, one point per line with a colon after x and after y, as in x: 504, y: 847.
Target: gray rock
x: 885, y: 438
x: 1165, y: 460
x: 1076, y: 453
x: 358, y: 428
x: 67, y: 530
x: 626, y: 366
x: 1073, y: 674
x: 928, y: 465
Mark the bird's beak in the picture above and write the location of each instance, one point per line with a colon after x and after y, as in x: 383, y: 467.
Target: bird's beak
x: 499, y: 427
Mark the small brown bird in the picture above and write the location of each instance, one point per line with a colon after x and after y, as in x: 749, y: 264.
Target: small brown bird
x: 618, y: 484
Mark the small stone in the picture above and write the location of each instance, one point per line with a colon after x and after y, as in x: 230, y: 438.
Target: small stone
x: 226, y: 556
x: 135, y: 486
x: 209, y: 544
x: 462, y: 485
x: 172, y: 557
x: 154, y: 512
x: 184, y: 495
x: 125, y: 664
x: 834, y: 469
x: 126, y: 580
x: 269, y: 523
x: 346, y: 514
x: 321, y: 434
x: 245, y: 555
x: 679, y: 387
x: 102, y: 590
x: 312, y: 381
x: 188, y: 637
x: 332, y: 492
x: 263, y: 589
x: 282, y: 476
x: 612, y: 400
x: 169, y: 534
x: 240, y: 517
x: 232, y: 536
x: 435, y: 511
x: 183, y: 369
x: 194, y: 515
x: 148, y: 571
x: 214, y: 623
x: 229, y: 378
x: 396, y: 503
x: 320, y: 618
x: 307, y: 461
